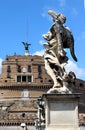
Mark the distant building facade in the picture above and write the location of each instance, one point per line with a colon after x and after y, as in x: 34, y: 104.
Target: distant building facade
x: 22, y: 81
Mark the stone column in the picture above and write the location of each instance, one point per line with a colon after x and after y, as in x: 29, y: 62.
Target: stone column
x: 61, y: 111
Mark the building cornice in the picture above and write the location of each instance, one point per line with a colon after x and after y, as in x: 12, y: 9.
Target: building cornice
x: 39, y: 86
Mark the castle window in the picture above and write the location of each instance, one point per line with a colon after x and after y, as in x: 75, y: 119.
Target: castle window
x: 29, y: 68
x: 24, y: 78
x: 39, y: 71
x: 8, y: 74
x: 39, y: 68
x: 81, y: 84
x: 49, y: 81
x: 19, y: 68
x: 8, y: 68
x: 18, y: 78
x: 31, y: 59
x: 41, y: 81
x: 29, y: 78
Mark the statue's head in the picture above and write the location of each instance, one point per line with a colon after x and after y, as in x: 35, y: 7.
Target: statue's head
x: 57, y: 17
x: 62, y: 18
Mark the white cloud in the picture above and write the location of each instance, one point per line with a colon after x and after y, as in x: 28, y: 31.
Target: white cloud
x: 41, y: 42
x: 80, y: 72
x: 45, y: 13
x: 40, y: 53
x: 62, y: 3
x: 83, y: 35
x: 74, y: 12
x: 84, y: 4
x: 0, y: 65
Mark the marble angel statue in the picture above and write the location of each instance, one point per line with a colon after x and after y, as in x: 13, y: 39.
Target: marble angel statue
x: 58, y: 38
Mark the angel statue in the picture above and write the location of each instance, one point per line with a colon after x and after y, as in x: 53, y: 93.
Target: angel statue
x: 26, y: 46
x: 58, y: 38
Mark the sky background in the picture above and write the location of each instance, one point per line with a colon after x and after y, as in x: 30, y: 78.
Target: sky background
x: 28, y: 20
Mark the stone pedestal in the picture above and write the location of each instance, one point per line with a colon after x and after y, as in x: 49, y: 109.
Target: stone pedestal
x: 26, y: 53
x: 61, y: 111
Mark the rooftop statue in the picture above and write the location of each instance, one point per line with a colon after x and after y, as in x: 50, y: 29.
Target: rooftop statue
x: 26, y: 46
x: 58, y: 38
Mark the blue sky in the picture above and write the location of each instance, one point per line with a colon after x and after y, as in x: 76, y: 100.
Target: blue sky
x: 28, y: 20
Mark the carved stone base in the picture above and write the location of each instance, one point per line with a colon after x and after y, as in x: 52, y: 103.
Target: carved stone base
x: 61, y: 111
x: 26, y: 53
x: 60, y: 90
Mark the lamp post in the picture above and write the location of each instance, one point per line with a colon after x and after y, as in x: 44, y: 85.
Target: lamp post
x: 39, y: 102
x: 40, y: 112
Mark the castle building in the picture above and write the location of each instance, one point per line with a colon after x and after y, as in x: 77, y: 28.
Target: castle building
x: 22, y: 81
